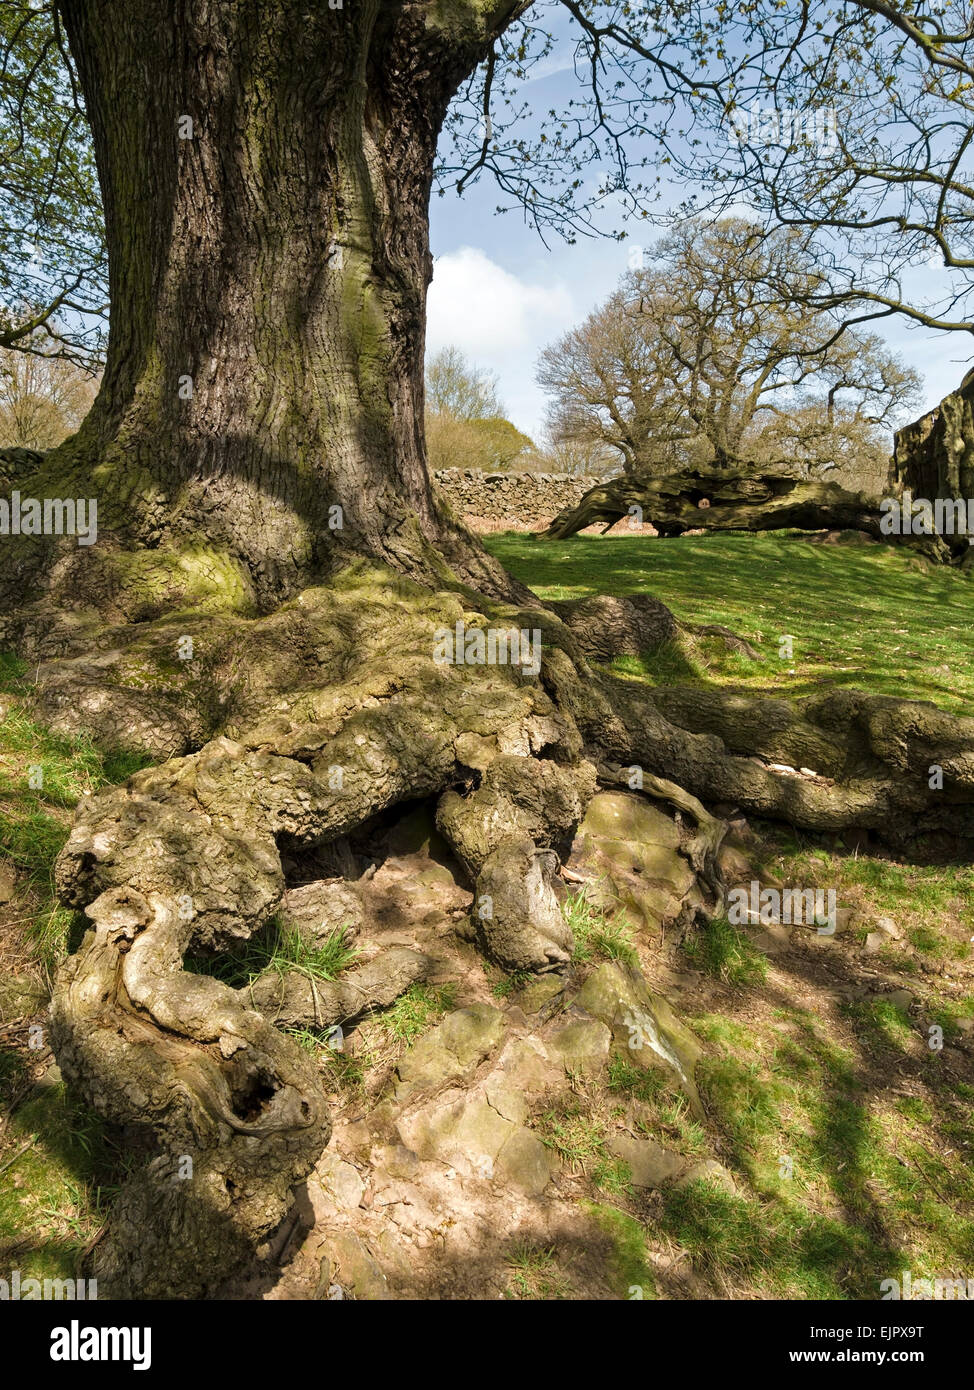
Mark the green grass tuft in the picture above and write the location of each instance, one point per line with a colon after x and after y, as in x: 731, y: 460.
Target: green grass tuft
x: 598, y: 936
x: 535, y: 1274
x: 280, y: 947
x: 414, y: 1011
x: 631, y: 1272
x: 723, y: 950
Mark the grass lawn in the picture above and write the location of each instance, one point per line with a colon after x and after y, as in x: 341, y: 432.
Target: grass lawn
x: 58, y: 1166
x: 863, y: 616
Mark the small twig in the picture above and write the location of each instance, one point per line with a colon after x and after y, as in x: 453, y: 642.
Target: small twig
x: 87, y: 1249
x: 285, y: 1239
x: 931, y: 1182
x: 926, y: 1177
x: 14, y: 1101
x: 22, y: 1150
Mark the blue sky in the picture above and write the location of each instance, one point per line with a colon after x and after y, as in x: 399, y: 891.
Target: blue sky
x: 500, y: 296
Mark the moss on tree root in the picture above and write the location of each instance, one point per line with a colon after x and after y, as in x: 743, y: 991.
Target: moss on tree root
x: 314, y: 718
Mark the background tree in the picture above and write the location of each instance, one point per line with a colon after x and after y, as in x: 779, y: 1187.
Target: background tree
x: 43, y: 399
x: 465, y: 422
x: 571, y: 453
x: 455, y: 387
x: 839, y: 445
x: 53, y: 292
x: 492, y: 444
x: 713, y: 354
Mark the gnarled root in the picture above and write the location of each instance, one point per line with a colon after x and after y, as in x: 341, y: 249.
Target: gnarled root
x: 295, y: 998
x: 607, y: 625
x: 236, y: 1109
x: 505, y: 834
x: 833, y: 762
x: 187, y: 858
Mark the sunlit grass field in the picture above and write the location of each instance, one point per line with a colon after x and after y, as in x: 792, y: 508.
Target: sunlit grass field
x: 859, y: 615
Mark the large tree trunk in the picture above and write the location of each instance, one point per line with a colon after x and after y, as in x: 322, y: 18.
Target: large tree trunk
x: 934, y: 456
x: 266, y: 171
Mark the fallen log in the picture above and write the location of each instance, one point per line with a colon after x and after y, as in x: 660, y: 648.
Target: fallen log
x: 711, y: 499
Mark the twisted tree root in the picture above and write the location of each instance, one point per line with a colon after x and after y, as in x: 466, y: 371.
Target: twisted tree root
x: 186, y: 857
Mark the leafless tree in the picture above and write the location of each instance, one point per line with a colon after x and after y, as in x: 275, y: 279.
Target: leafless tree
x: 696, y: 356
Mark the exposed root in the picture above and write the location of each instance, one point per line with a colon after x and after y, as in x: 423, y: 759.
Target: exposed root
x: 186, y: 858
x: 606, y: 626
x: 877, y: 759
x: 233, y: 1105
x: 295, y: 998
x: 342, y: 714
x: 504, y: 834
x: 704, y: 846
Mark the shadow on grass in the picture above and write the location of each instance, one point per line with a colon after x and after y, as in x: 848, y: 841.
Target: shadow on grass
x: 806, y: 1116
x: 875, y: 616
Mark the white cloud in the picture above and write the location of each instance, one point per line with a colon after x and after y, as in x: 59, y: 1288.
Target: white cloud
x: 499, y: 322
x: 484, y: 309
x: 551, y: 65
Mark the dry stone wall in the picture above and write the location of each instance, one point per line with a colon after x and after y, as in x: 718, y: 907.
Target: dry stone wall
x: 524, y: 501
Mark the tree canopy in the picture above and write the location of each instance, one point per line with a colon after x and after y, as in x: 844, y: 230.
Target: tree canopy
x: 53, y: 268
x: 713, y: 352
x: 719, y: 96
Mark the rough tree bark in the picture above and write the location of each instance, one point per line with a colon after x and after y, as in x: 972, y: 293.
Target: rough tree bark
x: 279, y: 259
x: 265, y: 171
x: 934, y: 456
